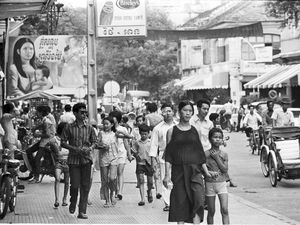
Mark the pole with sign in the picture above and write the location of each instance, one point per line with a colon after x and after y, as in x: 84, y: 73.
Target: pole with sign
x: 121, y: 18
x: 110, y: 19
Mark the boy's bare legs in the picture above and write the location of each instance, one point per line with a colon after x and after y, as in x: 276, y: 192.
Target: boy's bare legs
x: 142, y: 189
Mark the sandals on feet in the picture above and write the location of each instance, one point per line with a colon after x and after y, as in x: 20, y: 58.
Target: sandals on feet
x: 106, y: 205
x: 166, y: 208
x: 141, y: 203
x: 56, y: 205
x: 64, y: 204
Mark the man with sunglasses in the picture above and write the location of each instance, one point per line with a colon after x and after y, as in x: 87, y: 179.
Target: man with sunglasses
x: 80, y: 138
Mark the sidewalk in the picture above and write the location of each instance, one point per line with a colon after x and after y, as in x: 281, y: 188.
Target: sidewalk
x: 35, y: 205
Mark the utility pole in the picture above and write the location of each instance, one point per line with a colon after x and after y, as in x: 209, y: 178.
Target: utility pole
x: 92, y: 70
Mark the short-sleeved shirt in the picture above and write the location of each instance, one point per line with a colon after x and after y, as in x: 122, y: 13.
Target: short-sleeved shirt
x: 78, y: 136
x: 120, y: 142
x: 283, y: 119
x: 153, y: 119
x: 159, y: 138
x: 142, y: 148
x: 267, y: 118
x: 203, y: 127
x: 252, y: 120
x: 67, y: 117
x: 213, y: 166
x: 48, y: 127
x: 108, y: 157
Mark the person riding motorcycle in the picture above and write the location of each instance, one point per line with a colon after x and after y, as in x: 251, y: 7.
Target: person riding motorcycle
x: 46, y: 130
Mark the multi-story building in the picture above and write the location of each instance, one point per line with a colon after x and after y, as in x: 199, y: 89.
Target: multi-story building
x: 229, y: 62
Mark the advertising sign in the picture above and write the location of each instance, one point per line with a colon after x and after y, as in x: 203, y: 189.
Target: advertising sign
x: 264, y: 54
x: 46, y: 62
x: 121, y: 18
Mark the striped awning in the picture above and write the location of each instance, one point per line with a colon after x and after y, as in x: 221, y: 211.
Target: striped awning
x: 275, y: 78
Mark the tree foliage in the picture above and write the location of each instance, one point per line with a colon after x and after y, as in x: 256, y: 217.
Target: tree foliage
x: 289, y: 10
x: 149, y: 64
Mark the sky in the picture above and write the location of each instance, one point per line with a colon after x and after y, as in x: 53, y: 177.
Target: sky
x: 178, y: 11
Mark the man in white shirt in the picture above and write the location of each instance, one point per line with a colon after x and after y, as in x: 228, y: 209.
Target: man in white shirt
x: 68, y: 116
x: 158, y: 146
x: 283, y: 117
x: 252, y: 118
x: 202, y: 123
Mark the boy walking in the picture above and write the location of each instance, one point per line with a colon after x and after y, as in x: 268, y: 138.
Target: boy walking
x: 141, y: 150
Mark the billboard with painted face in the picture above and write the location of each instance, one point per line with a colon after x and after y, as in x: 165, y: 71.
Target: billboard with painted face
x: 56, y: 62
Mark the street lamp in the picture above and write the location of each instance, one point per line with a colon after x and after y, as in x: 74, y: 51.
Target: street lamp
x: 53, y: 15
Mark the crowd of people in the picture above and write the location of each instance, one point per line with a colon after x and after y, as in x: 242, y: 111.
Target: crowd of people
x: 180, y: 157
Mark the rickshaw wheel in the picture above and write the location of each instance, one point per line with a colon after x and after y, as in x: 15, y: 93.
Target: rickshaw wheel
x: 264, y: 163
x: 273, y: 172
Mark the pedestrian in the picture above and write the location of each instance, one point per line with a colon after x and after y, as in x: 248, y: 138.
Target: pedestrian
x: 108, y: 161
x: 241, y: 114
x: 68, y: 116
x: 124, y: 152
x: 152, y: 118
x: 61, y: 167
x: 158, y: 146
x: 283, y: 117
x: 217, y: 162
x: 185, y: 154
x: 10, y: 139
x: 141, y: 150
x: 80, y: 138
x: 202, y: 123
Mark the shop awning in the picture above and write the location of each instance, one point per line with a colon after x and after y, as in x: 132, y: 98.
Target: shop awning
x: 204, y: 81
x: 259, y: 80
x: 276, y: 78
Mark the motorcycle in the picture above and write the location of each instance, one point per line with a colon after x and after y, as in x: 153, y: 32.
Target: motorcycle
x: 30, y: 145
x: 8, y: 183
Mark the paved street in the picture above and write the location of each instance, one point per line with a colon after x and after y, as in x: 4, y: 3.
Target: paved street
x: 253, y: 202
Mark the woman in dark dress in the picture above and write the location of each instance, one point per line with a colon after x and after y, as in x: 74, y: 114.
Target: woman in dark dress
x: 185, y: 154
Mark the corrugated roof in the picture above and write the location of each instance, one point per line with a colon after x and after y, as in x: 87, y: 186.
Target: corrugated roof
x: 14, y: 8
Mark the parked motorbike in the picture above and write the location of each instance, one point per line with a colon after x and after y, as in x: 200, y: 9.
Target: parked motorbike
x: 8, y: 183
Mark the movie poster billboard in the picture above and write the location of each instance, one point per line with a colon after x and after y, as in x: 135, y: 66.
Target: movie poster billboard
x: 48, y: 62
x: 121, y: 18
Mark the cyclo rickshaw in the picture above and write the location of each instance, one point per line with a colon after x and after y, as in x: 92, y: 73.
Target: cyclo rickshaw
x: 280, y: 157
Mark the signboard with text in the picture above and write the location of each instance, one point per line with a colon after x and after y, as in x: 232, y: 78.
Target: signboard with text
x: 121, y: 18
x: 46, y: 62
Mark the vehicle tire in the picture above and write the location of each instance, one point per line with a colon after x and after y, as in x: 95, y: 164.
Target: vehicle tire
x: 273, y: 171
x: 13, y: 197
x: 264, y: 163
x: 5, y: 191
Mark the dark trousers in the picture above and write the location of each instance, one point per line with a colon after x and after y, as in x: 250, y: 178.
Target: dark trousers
x: 35, y: 161
x: 80, y: 177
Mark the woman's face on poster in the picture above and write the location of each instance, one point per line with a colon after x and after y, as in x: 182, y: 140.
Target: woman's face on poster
x: 26, y: 51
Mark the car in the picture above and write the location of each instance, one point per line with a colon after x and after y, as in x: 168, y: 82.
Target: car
x: 296, y: 113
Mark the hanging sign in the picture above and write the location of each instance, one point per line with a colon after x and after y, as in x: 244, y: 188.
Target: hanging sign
x: 121, y: 18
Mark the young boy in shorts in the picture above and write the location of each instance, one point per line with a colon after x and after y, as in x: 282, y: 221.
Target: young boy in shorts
x: 141, y: 153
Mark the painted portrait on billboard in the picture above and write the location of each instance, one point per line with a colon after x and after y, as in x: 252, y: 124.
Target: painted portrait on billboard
x: 46, y: 62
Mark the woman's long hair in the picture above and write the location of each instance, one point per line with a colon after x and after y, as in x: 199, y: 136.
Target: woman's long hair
x: 17, y: 57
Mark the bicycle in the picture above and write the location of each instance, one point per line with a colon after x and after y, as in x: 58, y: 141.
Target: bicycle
x: 8, y: 183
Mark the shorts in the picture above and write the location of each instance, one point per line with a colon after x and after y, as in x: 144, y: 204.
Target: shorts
x: 122, y: 156
x: 62, y: 165
x: 215, y: 188
x: 144, y: 169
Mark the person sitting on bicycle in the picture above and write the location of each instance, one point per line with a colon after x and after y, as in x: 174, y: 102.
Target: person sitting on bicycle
x: 251, y: 121
x: 283, y: 117
x: 267, y: 114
